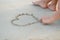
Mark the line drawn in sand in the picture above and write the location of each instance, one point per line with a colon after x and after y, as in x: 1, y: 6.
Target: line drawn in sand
x: 23, y: 14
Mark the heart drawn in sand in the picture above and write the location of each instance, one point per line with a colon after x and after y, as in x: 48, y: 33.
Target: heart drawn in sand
x: 21, y: 15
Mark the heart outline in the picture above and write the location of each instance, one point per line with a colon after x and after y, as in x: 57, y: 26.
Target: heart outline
x: 16, y: 18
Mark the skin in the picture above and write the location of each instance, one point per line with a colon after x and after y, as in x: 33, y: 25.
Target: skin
x: 52, y: 6
x: 44, y: 4
x: 56, y: 16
